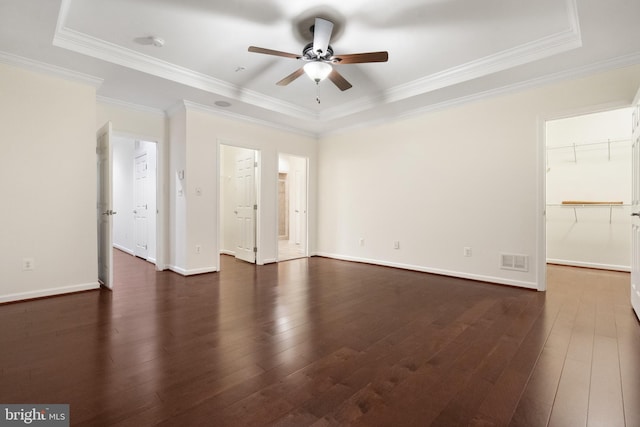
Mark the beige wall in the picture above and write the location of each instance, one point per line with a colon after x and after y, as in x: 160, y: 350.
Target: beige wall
x: 48, y: 182
x: 468, y: 176
x: 198, y: 144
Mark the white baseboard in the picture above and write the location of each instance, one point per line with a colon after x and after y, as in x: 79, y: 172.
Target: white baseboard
x: 123, y: 249
x: 48, y: 292
x: 227, y: 252
x: 193, y: 271
x: 441, y: 272
x: 594, y: 265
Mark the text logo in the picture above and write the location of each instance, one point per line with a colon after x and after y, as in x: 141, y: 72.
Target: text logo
x: 54, y: 415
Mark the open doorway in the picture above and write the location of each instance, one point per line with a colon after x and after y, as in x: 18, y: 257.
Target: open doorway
x: 134, y: 197
x: 292, y: 207
x: 239, y: 210
x: 588, y: 190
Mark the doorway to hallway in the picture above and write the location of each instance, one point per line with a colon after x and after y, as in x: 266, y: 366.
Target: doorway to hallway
x: 292, y: 207
x: 134, y: 197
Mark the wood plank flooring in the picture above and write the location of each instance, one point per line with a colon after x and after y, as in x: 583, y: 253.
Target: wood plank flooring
x: 320, y: 342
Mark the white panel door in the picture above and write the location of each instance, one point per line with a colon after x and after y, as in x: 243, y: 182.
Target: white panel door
x: 246, y: 206
x: 141, y: 204
x: 635, y: 209
x: 105, y: 206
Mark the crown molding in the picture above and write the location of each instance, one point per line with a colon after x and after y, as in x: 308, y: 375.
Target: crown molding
x: 525, y: 53
x: 604, y: 66
x: 528, y: 52
x: 194, y: 106
x: 130, y: 106
x: 52, y: 70
x: 91, y: 46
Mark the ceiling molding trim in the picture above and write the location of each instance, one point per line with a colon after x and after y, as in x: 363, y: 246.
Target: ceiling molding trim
x: 194, y: 106
x: 52, y: 70
x: 523, y: 54
x: 575, y: 73
x: 90, y: 46
x: 130, y: 106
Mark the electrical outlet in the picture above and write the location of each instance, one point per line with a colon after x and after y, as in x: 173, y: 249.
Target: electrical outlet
x: 396, y: 244
x: 467, y: 251
x: 28, y: 264
x: 198, y: 249
x: 361, y: 241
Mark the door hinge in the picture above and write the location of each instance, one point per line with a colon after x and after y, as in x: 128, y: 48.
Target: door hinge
x: 255, y: 250
x: 255, y: 207
x: 255, y: 164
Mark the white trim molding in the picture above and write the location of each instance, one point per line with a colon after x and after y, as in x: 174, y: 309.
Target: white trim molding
x: 52, y: 70
x: 130, y: 106
x: 594, y: 265
x: 567, y: 39
x: 49, y: 292
x: 191, y: 272
x: 438, y: 271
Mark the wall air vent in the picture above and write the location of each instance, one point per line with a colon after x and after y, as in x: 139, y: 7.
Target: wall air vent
x: 514, y: 262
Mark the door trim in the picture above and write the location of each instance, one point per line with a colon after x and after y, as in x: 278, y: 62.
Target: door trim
x: 162, y: 199
x: 306, y: 159
x: 541, y: 224
x: 258, y: 184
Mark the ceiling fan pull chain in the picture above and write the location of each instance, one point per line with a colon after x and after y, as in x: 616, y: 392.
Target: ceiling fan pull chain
x: 318, y: 92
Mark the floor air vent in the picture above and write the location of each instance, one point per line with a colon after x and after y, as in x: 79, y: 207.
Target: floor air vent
x: 514, y: 262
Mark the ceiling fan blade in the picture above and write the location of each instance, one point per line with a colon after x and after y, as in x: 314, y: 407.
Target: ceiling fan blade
x: 338, y: 80
x: 291, y: 77
x: 360, y: 58
x: 255, y: 49
x: 321, y: 36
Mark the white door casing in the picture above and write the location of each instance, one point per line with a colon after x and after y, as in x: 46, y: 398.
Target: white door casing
x: 301, y: 206
x: 105, y: 206
x: 246, y: 205
x: 635, y: 208
x: 141, y: 204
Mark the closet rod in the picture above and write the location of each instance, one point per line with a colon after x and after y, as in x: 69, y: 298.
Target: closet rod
x: 609, y: 141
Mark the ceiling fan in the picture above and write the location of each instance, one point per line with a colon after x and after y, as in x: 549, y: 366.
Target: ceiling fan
x: 319, y: 57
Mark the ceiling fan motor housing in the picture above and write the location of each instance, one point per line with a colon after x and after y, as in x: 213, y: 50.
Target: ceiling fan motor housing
x: 309, y: 55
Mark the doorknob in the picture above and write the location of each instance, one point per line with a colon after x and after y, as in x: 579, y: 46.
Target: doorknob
x: 109, y: 212
x: 635, y: 214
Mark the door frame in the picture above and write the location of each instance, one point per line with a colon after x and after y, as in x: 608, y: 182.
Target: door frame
x: 104, y: 204
x: 161, y: 198
x: 258, y: 197
x: 541, y: 223
x: 306, y: 203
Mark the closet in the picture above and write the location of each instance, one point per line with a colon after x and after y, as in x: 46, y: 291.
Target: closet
x: 588, y: 191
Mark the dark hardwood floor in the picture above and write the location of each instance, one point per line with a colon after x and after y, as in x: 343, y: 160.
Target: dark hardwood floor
x: 328, y: 343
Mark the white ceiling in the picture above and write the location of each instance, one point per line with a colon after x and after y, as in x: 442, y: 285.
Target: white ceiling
x: 440, y: 51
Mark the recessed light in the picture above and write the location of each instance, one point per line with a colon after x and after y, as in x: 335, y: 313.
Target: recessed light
x: 149, y: 41
x: 223, y: 104
x: 157, y: 41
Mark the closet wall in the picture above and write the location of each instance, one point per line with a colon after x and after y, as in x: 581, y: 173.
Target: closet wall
x: 589, y: 160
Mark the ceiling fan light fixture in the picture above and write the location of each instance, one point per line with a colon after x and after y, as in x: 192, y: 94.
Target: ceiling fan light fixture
x: 317, y: 71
